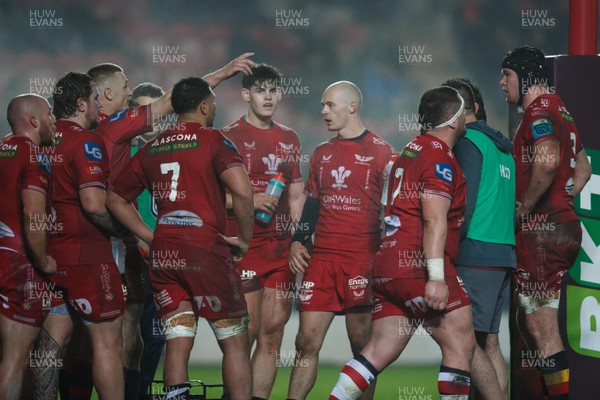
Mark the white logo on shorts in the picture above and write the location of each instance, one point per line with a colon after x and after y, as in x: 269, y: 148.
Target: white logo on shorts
x: 212, y: 301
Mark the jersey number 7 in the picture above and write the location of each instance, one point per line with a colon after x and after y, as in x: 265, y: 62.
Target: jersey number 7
x: 165, y: 168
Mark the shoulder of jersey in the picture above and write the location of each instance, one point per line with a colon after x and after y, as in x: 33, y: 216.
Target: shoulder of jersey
x: 5, y: 138
x: 324, y: 145
x: 88, y: 135
x: 218, y: 136
x: 231, y: 127
x: 73, y: 128
x: 415, y: 147
x: 81, y: 134
x: 376, y: 140
x: 284, y: 128
x: 544, y: 106
x: 212, y: 132
x: 26, y: 146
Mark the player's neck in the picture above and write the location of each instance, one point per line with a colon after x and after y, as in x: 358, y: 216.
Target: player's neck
x: 470, y: 118
x: 258, y: 122
x: 106, y: 110
x: 192, y: 118
x: 533, y: 93
x: 352, y: 130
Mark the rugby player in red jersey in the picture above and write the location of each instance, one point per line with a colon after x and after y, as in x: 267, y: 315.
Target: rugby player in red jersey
x: 187, y: 169
x: 24, y: 261
x: 343, y: 208
x: 414, y: 277
x: 267, y: 148
x: 118, y: 125
x: 551, y: 168
x: 87, y: 276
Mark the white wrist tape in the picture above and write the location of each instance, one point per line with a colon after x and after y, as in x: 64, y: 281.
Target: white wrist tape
x: 435, y: 269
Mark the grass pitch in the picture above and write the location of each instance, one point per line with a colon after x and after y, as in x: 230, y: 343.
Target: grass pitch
x: 397, y: 383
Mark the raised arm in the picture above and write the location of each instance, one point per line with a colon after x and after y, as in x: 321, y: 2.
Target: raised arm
x: 242, y: 64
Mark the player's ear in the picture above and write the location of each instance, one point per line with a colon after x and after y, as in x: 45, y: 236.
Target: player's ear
x: 476, y: 108
x: 203, y: 106
x: 107, y: 94
x: 81, y: 105
x: 246, y: 95
x: 353, y: 107
x: 33, y: 120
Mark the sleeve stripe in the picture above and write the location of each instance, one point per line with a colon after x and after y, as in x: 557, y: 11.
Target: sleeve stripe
x: 546, y: 137
x: 37, y: 188
x: 234, y: 164
x: 309, y: 194
x: 92, y: 184
x: 439, y: 193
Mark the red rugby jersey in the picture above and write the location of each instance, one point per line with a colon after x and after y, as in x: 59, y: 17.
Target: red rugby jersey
x: 81, y: 162
x: 267, y: 152
x: 23, y: 165
x: 426, y: 167
x: 181, y: 168
x: 546, y: 118
x: 347, y: 176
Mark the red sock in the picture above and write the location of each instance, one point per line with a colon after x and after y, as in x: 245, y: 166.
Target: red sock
x: 76, y: 382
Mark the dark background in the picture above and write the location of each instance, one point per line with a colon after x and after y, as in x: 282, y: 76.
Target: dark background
x: 334, y: 40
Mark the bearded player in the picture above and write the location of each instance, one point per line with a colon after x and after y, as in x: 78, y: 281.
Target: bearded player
x: 87, y: 277
x: 118, y: 124
x: 24, y: 261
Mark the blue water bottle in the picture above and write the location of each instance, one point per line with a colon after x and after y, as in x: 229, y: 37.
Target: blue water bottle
x: 274, y: 188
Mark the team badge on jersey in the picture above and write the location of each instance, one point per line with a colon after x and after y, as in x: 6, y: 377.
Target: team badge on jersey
x: 541, y: 127
x: 340, y: 176
x: 444, y: 172
x: 92, y: 151
x: 272, y: 163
